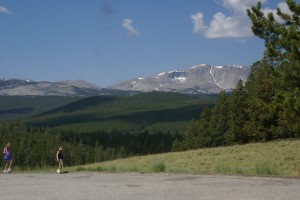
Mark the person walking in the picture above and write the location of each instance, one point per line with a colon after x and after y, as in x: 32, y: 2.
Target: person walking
x: 59, y: 159
x: 7, y: 158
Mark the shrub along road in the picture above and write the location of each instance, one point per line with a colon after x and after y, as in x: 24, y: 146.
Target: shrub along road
x: 90, y: 186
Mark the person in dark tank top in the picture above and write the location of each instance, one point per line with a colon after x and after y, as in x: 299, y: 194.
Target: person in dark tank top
x: 59, y: 159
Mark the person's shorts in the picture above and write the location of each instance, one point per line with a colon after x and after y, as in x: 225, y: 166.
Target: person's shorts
x: 7, y: 158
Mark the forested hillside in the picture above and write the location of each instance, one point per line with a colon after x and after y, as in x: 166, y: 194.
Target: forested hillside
x: 152, y: 111
x: 267, y: 107
x: 14, y: 108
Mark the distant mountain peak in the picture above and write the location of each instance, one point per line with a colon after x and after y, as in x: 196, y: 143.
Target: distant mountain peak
x: 201, y: 78
x: 80, y: 83
x: 20, y: 87
x: 197, y: 66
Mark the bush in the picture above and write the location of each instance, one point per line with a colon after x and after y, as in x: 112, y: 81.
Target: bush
x: 158, y: 166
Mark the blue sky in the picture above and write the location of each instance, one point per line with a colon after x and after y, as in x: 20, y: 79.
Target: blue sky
x: 106, y: 41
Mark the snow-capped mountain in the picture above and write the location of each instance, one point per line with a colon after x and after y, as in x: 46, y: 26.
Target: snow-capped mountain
x: 20, y: 87
x: 202, y: 78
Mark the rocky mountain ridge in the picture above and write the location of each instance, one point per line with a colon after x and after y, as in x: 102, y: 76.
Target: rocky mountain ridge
x: 19, y: 87
x: 205, y: 79
x: 200, y: 79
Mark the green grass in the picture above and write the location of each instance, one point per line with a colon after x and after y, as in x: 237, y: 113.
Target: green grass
x: 279, y: 158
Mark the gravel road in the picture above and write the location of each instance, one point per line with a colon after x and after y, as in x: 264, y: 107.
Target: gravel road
x: 105, y: 186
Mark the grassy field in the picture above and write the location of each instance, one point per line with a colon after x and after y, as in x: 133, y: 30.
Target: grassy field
x: 279, y: 158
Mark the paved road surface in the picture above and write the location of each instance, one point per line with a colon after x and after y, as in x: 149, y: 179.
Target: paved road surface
x: 90, y: 186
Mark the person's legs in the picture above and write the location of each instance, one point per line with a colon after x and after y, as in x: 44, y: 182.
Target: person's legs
x: 10, y: 163
x: 6, y: 166
x: 61, y: 164
x: 58, y: 169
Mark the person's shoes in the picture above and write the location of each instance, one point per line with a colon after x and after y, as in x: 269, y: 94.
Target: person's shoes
x: 5, y: 171
x: 9, y: 170
x: 58, y: 171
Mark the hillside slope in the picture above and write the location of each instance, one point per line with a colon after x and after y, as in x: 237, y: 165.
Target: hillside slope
x: 13, y: 108
x: 277, y: 158
x: 155, y: 111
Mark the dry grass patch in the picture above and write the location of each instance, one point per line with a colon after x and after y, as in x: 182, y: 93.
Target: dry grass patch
x: 279, y: 158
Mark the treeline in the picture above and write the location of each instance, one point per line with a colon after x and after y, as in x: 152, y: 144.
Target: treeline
x: 267, y: 106
x: 36, y: 147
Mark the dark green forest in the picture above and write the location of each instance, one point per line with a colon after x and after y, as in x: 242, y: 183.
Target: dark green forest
x: 36, y: 147
x: 153, y: 111
x: 267, y: 106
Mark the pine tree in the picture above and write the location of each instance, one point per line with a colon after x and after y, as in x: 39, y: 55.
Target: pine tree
x: 98, y: 155
x: 219, y: 121
x: 282, y: 41
x: 238, y: 114
x: 261, y: 112
x: 204, y: 137
x: 191, y: 134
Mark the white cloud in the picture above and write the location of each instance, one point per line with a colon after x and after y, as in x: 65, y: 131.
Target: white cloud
x: 234, y: 27
x: 283, y: 7
x: 198, y: 22
x: 237, y: 25
x: 4, y: 10
x: 127, y: 24
x: 240, y: 5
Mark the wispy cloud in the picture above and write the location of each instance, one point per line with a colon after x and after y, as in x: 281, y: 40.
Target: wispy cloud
x: 198, y: 22
x: 237, y: 25
x: 4, y: 10
x: 131, y: 30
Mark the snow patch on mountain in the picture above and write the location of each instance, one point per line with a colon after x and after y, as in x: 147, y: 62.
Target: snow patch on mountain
x: 201, y: 65
x: 181, y: 79
x: 219, y: 67
x: 211, y: 72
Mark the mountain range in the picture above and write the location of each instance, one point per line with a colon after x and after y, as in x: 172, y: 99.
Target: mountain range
x: 200, y: 79
x: 18, y: 87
